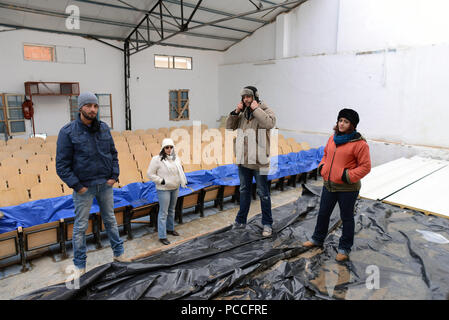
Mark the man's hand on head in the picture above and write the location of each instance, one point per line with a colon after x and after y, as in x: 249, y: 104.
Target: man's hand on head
x: 239, y: 107
x: 254, y: 105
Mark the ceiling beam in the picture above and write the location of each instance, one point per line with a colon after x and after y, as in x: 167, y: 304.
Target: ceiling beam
x: 86, y: 35
x: 236, y: 16
x: 12, y: 29
x: 181, y: 46
x: 295, y: 5
x: 186, y: 25
x: 94, y: 36
x: 271, y: 2
x: 186, y: 4
x: 152, y: 43
x: 134, y: 42
x: 201, y: 22
x: 165, y: 15
x: 223, y: 13
x: 104, y: 21
x: 106, y: 43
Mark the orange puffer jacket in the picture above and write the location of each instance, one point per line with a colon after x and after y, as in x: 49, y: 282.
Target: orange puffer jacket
x: 353, y: 156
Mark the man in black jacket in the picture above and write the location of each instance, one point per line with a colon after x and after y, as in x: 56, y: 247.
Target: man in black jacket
x: 86, y: 160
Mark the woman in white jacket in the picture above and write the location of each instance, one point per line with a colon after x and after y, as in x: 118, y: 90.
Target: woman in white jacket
x: 166, y: 172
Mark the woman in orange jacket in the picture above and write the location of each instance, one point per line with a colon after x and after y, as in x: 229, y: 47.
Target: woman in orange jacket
x: 346, y: 160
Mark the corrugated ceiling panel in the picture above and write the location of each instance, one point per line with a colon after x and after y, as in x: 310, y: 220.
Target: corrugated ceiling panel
x: 132, y: 16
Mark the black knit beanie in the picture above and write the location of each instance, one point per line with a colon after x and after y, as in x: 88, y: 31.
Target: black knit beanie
x: 349, y: 114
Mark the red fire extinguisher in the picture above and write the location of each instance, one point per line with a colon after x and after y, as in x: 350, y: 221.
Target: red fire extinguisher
x: 27, y: 109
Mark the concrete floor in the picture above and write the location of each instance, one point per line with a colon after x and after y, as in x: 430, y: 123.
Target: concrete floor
x: 49, y: 269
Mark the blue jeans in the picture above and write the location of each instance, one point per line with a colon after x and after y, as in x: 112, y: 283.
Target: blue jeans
x: 263, y: 190
x: 166, y: 215
x: 346, y: 202
x: 83, y: 203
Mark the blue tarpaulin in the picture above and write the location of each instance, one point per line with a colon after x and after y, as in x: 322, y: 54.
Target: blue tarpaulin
x: 138, y: 194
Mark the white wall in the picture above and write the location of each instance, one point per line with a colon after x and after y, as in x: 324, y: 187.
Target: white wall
x: 256, y: 47
x: 316, y: 27
x: 102, y: 73
x: 149, y: 88
x: 321, y: 64
x: 374, y: 24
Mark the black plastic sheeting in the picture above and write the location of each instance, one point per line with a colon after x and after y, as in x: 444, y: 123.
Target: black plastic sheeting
x: 389, y: 260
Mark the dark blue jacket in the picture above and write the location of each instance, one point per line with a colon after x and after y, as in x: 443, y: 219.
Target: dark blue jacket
x: 84, y: 158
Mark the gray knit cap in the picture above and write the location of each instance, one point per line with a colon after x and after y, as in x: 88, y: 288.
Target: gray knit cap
x: 85, y: 98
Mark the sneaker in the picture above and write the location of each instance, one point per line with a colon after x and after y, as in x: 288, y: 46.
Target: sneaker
x: 237, y: 225
x: 122, y: 258
x: 165, y: 241
x: 173, y: 233
x: 267, y: 231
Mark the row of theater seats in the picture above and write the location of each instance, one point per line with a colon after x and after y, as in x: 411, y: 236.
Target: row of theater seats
x: 25, y: 165
x: 23, y: 180
x: 135, y: 149
x: 28, y: 171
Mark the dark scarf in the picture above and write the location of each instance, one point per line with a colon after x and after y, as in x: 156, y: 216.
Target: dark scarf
x: 341, y: 138
x: 248, y: 113
x: 94, y: 126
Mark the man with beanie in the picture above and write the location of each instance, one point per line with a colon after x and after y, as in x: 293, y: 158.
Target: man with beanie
x: 255, y: 119
x: 86, y: 160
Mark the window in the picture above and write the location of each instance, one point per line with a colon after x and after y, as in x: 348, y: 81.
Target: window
x: 12, y: 121
x: 172, y: 62
x: 183, y: 63
x: 39, y: 53
x: 72, y: 55
x: 48, y: 53
x: 104, y: 108
x: 163, y: 62
x: 179, y: 105
x: 73, y: 107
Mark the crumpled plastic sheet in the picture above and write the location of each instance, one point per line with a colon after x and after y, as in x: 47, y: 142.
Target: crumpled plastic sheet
x: 139, y: 194
x: 389, y: 260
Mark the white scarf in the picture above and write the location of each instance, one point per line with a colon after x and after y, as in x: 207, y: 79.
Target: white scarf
x: 175, y: 168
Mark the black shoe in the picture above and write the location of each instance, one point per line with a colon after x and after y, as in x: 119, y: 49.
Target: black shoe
x: 165, y: 241
x: 237, y: 225
x: 173, y: 233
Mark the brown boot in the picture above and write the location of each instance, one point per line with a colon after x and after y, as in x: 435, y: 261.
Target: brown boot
x: 122, y: 258
x: 309, y: 244
x: 341, y: 257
